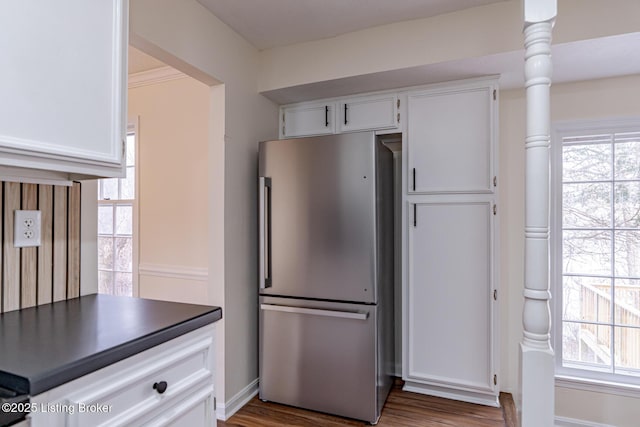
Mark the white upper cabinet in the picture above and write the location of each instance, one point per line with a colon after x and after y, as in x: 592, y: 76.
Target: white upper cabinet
x: 368, y: 112
x: 307, y: 119
x: 450, y: 139
x: 377, y: 111
x: 63, y: 88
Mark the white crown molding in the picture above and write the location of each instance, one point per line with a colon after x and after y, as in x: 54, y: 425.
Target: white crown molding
x: 155, y: 76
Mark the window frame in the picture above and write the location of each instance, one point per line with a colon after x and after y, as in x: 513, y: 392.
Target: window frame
x: 572, y: 377
x: 132, y: 128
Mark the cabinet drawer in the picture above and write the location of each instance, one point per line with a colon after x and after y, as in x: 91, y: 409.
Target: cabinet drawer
x: 368, y: 112
x: 194, y: 411
x: 123, y: 394
x: 133, y: 393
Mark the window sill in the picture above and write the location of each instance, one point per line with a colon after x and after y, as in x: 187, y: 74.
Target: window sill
x: 598, y: 386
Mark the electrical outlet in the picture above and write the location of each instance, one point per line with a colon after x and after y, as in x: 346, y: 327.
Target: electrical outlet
x: 26, y: 226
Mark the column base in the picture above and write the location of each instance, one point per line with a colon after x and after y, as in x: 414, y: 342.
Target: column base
x: 537, y: 385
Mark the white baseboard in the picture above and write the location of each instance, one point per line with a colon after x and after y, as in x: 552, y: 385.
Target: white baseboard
x: 487, y: 399
x: 224, y: 411
x: 572, y: 422
x: 398, y: 370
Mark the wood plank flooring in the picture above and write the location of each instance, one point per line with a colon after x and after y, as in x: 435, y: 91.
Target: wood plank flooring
x: 403, y: 409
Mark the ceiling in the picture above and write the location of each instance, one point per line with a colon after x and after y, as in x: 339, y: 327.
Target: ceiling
x: 266, y: 24
x: 271, y: 23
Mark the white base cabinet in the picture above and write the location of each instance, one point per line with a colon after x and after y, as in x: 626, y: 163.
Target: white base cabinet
x: 63, y: 87
x: 128, y: 392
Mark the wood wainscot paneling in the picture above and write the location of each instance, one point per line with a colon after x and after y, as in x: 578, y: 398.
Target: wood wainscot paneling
x: 51, y: 272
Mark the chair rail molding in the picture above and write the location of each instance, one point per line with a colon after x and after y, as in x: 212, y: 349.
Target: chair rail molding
x: 174, y: 271
x: 537, y: 364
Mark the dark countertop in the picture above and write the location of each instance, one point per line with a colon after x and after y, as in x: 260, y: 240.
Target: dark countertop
x: 46, y: 346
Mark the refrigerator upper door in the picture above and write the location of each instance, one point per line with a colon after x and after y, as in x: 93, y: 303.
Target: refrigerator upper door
x: 322, y: 225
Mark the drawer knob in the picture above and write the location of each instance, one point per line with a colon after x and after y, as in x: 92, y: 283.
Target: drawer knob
x: 160, y: 387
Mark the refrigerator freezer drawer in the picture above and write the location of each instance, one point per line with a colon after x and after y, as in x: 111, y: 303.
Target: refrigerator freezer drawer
x: 319, y: 356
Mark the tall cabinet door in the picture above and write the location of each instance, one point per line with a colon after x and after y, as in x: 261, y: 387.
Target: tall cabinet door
x: 450, y: 338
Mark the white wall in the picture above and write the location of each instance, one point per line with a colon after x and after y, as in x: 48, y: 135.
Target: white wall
x: 183, y: 34
x: 173, y: 196
x: 615, y: 97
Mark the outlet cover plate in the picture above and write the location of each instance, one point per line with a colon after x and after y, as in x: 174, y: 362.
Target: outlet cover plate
x: 27, y: 226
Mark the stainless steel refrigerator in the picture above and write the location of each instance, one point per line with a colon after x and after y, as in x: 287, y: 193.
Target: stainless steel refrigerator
x: 326, y: 273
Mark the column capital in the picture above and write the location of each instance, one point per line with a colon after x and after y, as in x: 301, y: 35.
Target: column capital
x: 539, y: 11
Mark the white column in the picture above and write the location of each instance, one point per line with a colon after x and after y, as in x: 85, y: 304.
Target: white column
x: 536, y: 355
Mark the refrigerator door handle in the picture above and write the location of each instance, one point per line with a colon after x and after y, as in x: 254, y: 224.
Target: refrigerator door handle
x: 357, y: 315
x: 264, y: 232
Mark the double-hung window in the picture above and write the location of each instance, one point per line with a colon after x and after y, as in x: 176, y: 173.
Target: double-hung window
x: 116, y: 228
x: 595, y: 249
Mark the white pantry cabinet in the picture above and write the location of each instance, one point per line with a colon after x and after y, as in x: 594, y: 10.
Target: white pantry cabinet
x: 376, y: 111
x: 450, y: 309
x: 168, y: 385
x: 63, y: 88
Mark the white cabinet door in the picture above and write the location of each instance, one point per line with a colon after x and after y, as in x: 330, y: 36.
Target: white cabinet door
x: 368, y: 113
x: 450, y: 140
x: 63, y: 85
x: 307, y: 119
x: 450, y: 308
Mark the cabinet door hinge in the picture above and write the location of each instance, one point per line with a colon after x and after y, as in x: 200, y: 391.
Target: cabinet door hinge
x: 495, y: 380
x: 495, y: 95
x: 495, y: 209
x: 398, y: 117
x: 495, y: 181
x: 495, y: 295
x: 398, y: 103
